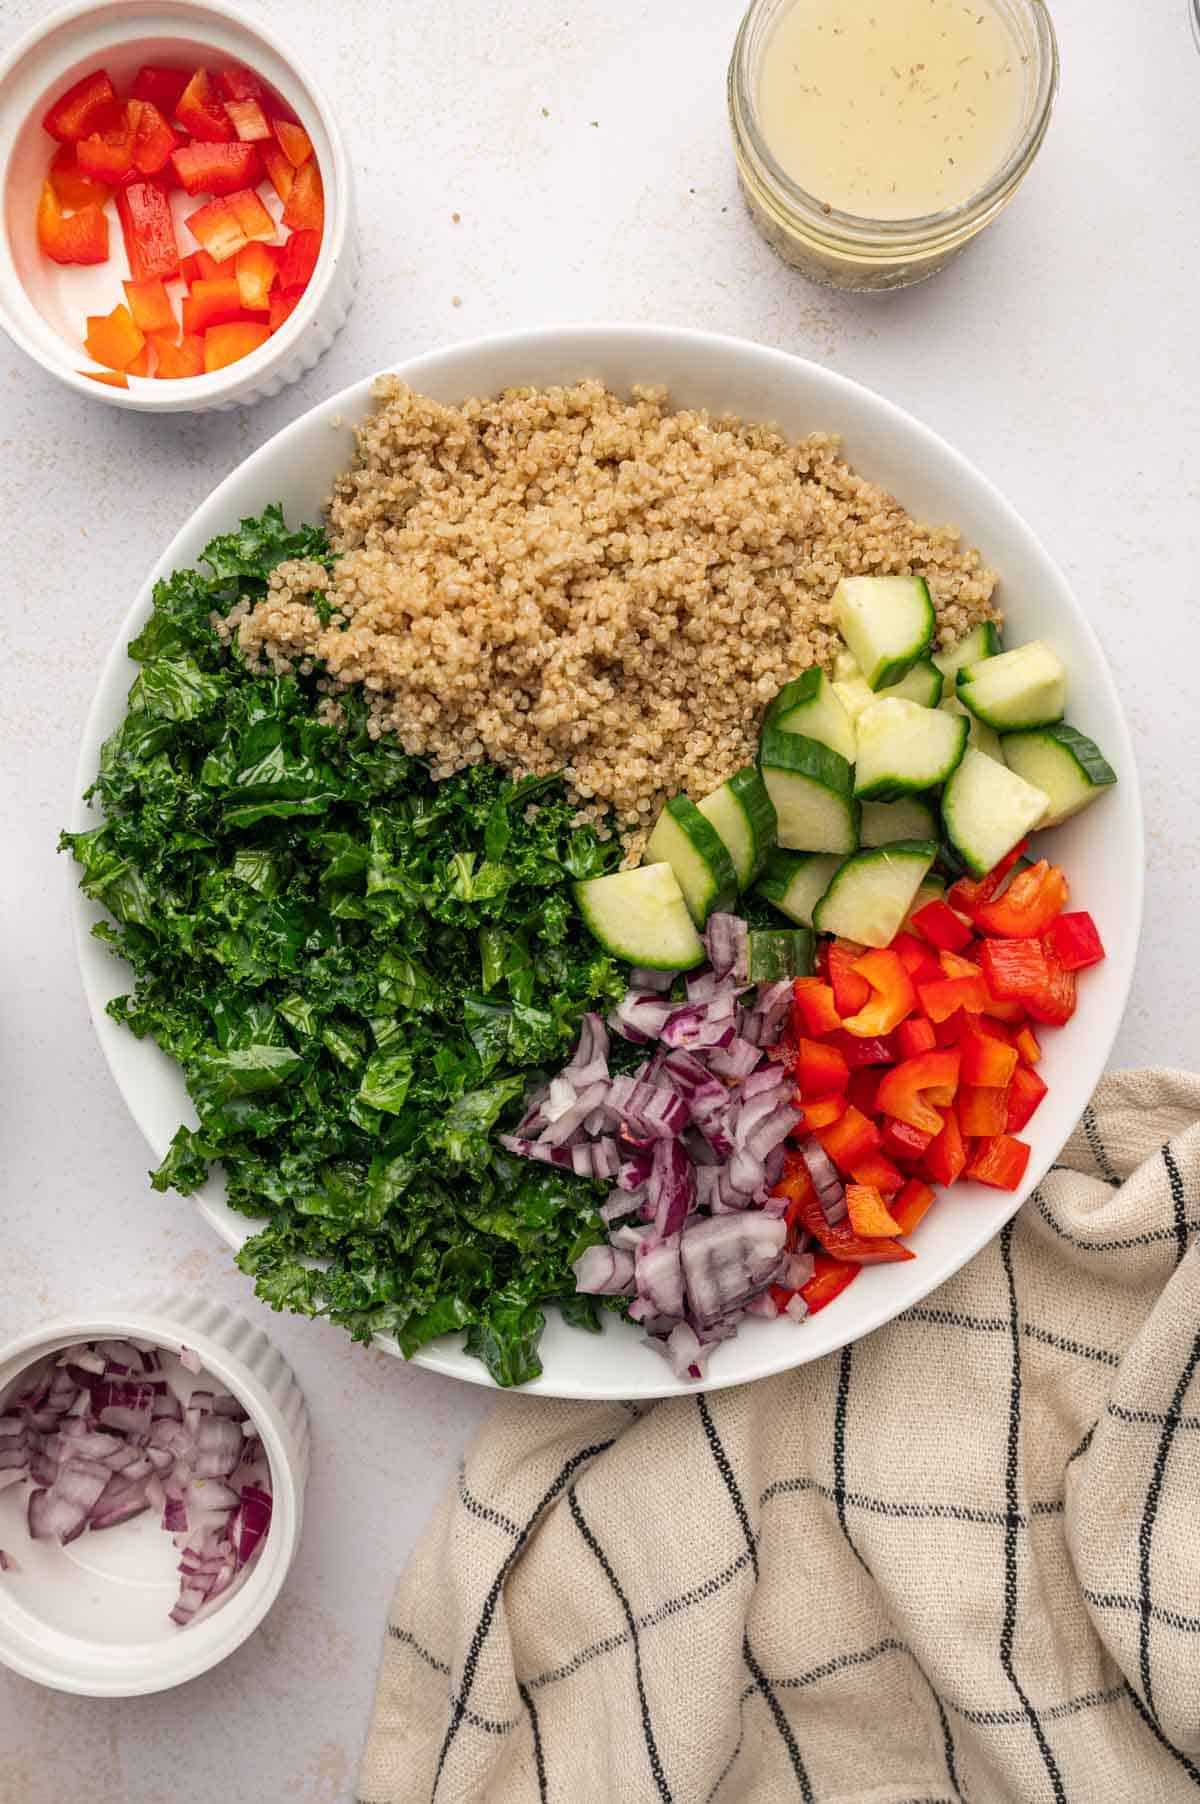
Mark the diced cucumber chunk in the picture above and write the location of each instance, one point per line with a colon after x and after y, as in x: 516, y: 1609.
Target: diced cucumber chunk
x: 1022, y: 688
x: 641, y: 916
x: 887, y: 621
x: 776, y: 952
x: 983, y: 641
x: 883, y: 823
x: 873, y: 892
x: 813, y: 792
x: 853, y: 694
x: 923, y: 684
x: 796, y: 881
x: 984, y: 739
x: 932, y: 889
x: 904, y: 748
x: 845, y: 667
x: 743, y: 815
x: 1068, y: 766
x: 986, y: 809
x: 810, y: 706
x: 695, y: 851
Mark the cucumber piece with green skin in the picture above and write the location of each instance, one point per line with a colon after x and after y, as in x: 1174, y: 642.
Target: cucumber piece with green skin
x: 983, y: 641
x: 987, y: 809
x: 871, y: 895
x: 641, y: 916
x: 887, y: 621
x: 932, y: 889
x: 795, y: 882
x: 1016, y: 689
x: 697, y: 854
x: 773, y: 953
x: 853, y: 694
x: 922, y: 684
x: 810, y: 705
x: 883, y: 823
x: 812, y: 789
x: 904, y: 748
x: 981, y: 737
x: 1067, y: 765
x: 845, y: 667
x: 743, y: 814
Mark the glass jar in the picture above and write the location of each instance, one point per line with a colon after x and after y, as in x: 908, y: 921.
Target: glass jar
x: 842, y: 250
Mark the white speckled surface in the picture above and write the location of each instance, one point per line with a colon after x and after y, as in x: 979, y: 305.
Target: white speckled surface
x: 1061, y: 354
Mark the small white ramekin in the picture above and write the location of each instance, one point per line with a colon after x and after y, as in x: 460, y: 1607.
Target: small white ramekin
x: 66, y: 1655
x: 119, y: 35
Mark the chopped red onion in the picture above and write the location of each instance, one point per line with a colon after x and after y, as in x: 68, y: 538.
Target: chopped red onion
x: 725, y: 940
x: 7, y: 1563
x: 763, y: 1305
x: 604, y: 1271
x: 659, y: 1277
x: 641, y: 977
x: 831, y: 1193
x: 736, y: 1060
x: 727, y: 1260
x: 796, y: 1270
x: 672, y: 1187
x: 796, y: 1307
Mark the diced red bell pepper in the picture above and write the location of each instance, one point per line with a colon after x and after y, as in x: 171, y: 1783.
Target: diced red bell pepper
x: 863, y: 1088
x: 953, y: 964
x: 113, y: 338
x: 71, y: 188
x: 106, y: 156
x: 815, y: 1008
x: 1028, y: 1047
x: 892, y: 995
x: 249, y: 121
x: 149, y: 231
x: 81, y: 109
x: 981, y: 1111
x: 849, y: 1140
x: 280, y: 172
x: 298, y: 259
x: 822, y: 1111
x: 841, y: 1240
x: 294, y: 141
x: 916, y: 958
x: 950, y: 1031
x: 110, y: 378
x: 796, y: 1184
x: 211, y: 303
x: 78, y: 238
x: 1027, y: 906
x: 141, y: 363
x: 941, y: 926
x: 913, y: 1202
x: 200, y: 267
x: 877, y: 1171
x: 820, y: 1068
x: 999, y: 1161
x: 946, y: 1153
x: 153, y: 139
x: 240, y: 83
x: 304, y: 208
x: 1024, y: 1094
x: 150, y: 306
x: 225, y: 344
x: 256, y: 268
x: 224, y: 225
x: 914, y: 1036
x: 986, y: 1060
x: 1013, y: 1013
x: 160, y: 85
x: 878, y: 1050
x: 969, y: 893
x: 903, y: 1142
x: 1014, y: 969
x: 909, y: 1090
x: 1054, y: 1003
x: 869, y: 1214
x: 216, y: 168
x: 850, y: 990
x: 177, y: 361
x: 199, y: 108
x: 1075, y: 941
x: 830, y: 1278
x: 940, y: 1000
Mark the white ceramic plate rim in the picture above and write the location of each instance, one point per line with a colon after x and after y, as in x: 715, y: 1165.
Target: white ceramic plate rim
x: 761, y: 1349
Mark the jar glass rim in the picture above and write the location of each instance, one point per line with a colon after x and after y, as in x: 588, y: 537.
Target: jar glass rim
x: 854, y: 229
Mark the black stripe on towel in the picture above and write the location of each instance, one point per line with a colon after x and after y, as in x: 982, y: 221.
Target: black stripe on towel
x: 539, y: 1758
x: 1178, y: 1207
x: 1149, y: 1516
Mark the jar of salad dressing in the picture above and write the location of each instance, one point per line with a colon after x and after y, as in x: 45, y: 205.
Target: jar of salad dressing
x: 875, y: 138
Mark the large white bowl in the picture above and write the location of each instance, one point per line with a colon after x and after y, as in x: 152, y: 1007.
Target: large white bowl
x: 1102, y: 849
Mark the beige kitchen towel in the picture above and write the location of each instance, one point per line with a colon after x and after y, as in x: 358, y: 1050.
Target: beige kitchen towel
x: 959, y: 1560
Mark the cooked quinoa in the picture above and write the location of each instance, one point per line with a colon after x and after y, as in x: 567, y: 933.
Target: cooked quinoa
x: 558, y: 579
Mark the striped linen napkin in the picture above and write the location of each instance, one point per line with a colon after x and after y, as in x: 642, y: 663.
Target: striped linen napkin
x: 959, y: 1560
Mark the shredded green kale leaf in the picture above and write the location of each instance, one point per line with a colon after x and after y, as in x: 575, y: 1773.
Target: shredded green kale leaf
x: 360, y: 971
